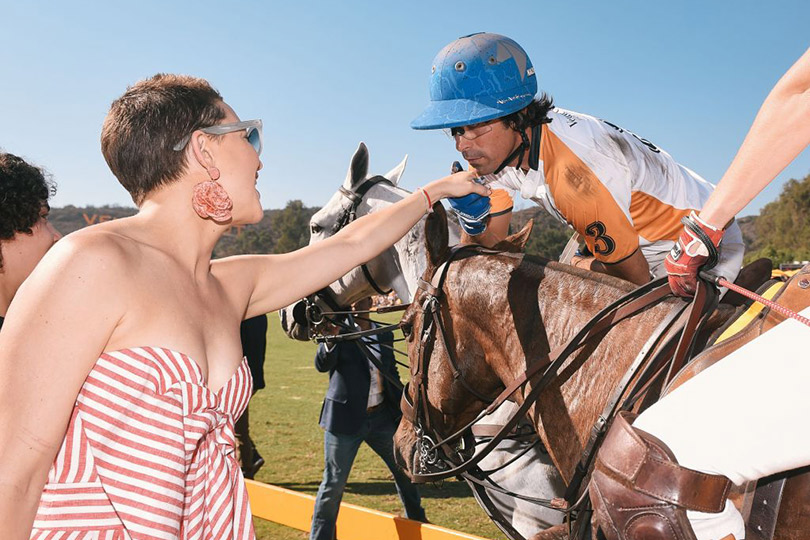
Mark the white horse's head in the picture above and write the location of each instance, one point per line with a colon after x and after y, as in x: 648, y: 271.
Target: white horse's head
x: 397, y: 268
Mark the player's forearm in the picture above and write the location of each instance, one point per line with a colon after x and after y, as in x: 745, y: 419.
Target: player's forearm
x: 634, y: 268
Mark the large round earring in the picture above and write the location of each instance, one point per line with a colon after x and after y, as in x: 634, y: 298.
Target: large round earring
x: 210, y: 200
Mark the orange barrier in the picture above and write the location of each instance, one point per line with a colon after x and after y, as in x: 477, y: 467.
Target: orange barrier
x: 294, y: 509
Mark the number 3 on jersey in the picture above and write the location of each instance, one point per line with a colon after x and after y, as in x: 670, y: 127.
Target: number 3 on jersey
x: 602, y: 244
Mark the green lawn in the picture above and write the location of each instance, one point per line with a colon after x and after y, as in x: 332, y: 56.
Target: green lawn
x: 284, y: 425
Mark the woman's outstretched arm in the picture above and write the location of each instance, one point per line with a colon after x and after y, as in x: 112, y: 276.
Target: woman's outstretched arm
x: 270, y: 282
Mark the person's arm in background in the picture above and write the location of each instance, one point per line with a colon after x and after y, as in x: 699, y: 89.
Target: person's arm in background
x: 781, y: 130
x: 779, y: 133
x: 634, y: 268
x: 326, y: 357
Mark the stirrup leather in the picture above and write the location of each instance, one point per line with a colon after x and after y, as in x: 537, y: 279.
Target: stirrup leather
x: 639, y: 492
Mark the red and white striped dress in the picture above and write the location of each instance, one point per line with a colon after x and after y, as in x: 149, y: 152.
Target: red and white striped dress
x: 149, y: 455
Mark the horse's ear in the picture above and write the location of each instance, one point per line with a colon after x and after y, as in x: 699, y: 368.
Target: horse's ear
x: 358, y: 169
x: 436, y: 236
x: 516, y: 243
x: 395, y: 174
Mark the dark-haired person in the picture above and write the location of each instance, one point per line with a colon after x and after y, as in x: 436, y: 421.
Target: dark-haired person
x: 25, y: 232
x: 667, y: 475
x: 621, y: 193
x: 117, y: 419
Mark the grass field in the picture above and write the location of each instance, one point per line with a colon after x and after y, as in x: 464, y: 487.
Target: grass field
x: 284, y: 426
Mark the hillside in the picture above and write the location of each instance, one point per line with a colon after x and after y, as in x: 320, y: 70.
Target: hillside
x: 275, y: 230
x: 781, y: 231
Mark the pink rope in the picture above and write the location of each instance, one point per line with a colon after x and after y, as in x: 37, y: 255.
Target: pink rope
x: 762, y: 300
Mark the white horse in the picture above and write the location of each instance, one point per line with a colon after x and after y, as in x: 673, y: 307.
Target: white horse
x: 399, y: 268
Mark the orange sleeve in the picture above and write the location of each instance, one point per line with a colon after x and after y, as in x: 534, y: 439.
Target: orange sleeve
x: 500, y: 202
x: 586, y: 203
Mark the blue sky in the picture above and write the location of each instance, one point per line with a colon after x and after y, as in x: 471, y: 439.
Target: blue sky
x: 688, y: 76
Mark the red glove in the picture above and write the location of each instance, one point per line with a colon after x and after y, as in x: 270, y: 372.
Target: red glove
x: 695, y: 249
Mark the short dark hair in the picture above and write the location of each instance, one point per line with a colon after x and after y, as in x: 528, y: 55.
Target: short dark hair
x: 24, y: 191
x: 145, y: 124
x: 531, y: 115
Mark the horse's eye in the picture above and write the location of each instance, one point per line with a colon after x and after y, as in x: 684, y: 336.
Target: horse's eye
x: 406, y: 329
x: 315, y: 228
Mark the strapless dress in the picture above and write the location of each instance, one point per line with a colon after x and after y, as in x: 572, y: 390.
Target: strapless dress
x: 149, y: 455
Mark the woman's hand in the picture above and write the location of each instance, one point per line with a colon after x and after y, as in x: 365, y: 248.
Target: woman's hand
x: 456, y: 185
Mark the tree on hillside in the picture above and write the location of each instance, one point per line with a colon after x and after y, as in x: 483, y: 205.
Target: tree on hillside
x: 291, y: 226
x: 548, y: 237
x: 783, y: 226
x: 256, y: 239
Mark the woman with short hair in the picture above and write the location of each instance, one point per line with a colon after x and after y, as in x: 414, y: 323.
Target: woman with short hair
x: 136, y: 375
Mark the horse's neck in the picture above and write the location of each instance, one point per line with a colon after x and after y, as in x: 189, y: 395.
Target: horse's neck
x: 569, y: 297
x: 546, y: 303
x: 410, y: 257
x: 521, y: 310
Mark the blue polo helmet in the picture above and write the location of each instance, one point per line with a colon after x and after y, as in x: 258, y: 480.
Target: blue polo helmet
x: 477, y: 78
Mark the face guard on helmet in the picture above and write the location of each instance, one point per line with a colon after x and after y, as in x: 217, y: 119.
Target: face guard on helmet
x: 477, y: 78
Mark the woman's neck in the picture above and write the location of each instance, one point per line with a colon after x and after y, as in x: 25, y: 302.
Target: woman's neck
x: 172, y: 226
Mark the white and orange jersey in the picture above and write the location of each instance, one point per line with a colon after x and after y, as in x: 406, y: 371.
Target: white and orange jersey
x: 619, y: 191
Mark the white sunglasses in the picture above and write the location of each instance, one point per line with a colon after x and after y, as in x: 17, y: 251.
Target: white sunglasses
x: 252, y: 127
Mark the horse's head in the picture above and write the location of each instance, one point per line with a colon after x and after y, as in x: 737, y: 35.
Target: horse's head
x: 450, y: 357
x: 360, y: 194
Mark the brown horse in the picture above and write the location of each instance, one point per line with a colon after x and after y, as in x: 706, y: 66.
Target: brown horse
x: 504, y: 312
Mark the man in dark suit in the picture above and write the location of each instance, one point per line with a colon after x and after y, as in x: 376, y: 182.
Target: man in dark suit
x: 361, y: 405
x: 253, y: 332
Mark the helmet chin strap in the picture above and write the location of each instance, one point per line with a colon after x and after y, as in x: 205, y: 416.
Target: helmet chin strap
x: 517, y: 152
x: 533, y: 147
